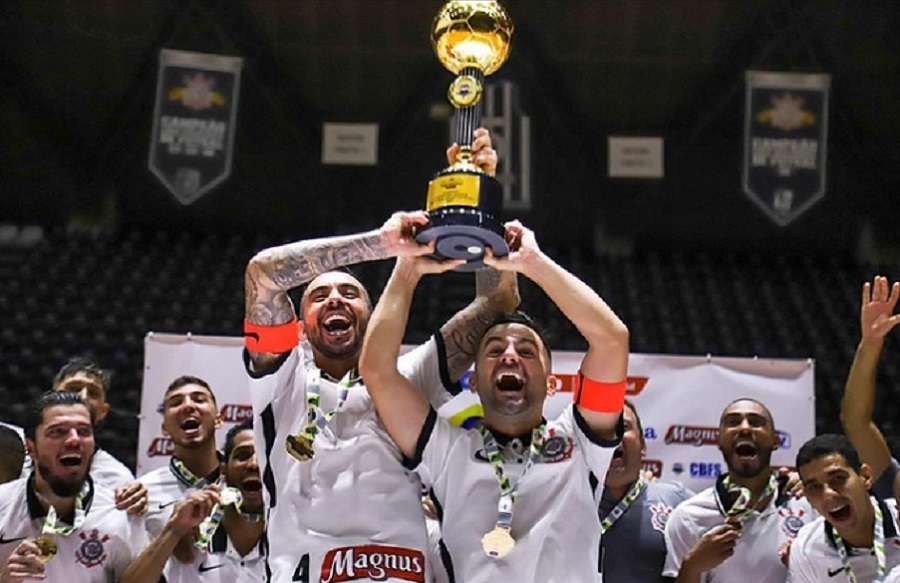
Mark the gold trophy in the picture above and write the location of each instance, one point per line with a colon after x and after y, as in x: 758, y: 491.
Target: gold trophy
x: 471, y: 39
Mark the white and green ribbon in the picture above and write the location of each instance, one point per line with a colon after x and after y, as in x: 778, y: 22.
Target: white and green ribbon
x: 623, y: 505
x: 878, y: 544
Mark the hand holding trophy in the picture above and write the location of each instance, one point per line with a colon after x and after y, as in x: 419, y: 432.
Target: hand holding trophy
x: 471, y: 38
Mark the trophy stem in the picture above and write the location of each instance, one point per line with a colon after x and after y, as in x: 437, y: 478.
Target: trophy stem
x: 468, y: 119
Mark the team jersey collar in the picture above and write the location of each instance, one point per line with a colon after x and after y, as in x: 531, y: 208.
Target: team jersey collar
x: 353, y: 379
x: 725, y: 499
x: 506, y: 441
x: 188, y: 478
x: 36, y: 510
x: 890, y: 527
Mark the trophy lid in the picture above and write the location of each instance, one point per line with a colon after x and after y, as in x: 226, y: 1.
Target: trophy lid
x: 472, y: 33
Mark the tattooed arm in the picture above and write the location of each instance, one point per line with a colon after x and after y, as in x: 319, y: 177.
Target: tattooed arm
x: 496, y: 292
x: 274, y: 271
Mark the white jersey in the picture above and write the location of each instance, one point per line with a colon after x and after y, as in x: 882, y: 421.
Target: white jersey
x: 555, y: 523
x: 220, y: 564
x: 756, y: 552
x: 353, y: 512
x: 164, y: 488
x: 99, y: 550
x: 814, y: 556
x: 105, y: 470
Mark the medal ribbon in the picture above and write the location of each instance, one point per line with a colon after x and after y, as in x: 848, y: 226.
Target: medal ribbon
x: 228, y: 496
x: 878, y: 543
x: 50, y: 526
x: 188, y: 477
x: 508, y: 492
x: 741, y: 508
x: 316, y: 418
x: 623, y: 505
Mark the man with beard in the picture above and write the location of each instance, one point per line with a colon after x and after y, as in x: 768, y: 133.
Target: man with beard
x: 190, y: 420
x: 634, y: 511
x: 337, y: 494
x: 855, y: 538
x: 504, y: 518
x: 734, y: 531
x: 86, y: 378
x: 232, y: 531
x: 57, y: 524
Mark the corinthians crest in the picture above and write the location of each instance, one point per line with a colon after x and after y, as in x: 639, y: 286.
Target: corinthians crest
x: 785, y: 142
x: 92, y: 551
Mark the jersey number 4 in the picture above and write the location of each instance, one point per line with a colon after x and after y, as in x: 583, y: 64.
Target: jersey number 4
x: 301, y: 573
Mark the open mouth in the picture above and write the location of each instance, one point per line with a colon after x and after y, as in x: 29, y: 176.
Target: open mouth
x: 251, y: 485
x: 840, y: 513
x: 745, y: 450
x: 510, y: 382
x: 618, y: 458
x: 191, y: 426
x: 70, y: 461
x: 336, y: 325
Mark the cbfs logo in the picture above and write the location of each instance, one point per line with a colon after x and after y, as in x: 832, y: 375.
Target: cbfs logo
x: 236, y: 413
x: 705, y: 470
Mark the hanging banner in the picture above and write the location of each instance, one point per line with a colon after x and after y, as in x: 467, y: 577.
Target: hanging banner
x: 194, y: 121
x: 679, y: 400
x: 785, y: 142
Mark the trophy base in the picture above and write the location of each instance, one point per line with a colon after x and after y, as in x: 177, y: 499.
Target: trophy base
x: 464, y: 242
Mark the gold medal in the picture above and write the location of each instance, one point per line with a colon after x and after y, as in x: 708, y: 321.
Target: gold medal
x: 47, y: 546
x: 498, y: 542
x: 300, y: 447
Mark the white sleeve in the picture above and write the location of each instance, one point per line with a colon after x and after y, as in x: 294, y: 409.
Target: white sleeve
x: 681, y: 536
x: 800, y: 564
x: 267, y: 387
x: 436, y: 441
x: 426, y: 367
x: 134, y: 540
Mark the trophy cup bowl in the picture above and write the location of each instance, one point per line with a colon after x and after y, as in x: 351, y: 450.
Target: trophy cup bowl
x: 471, y: 38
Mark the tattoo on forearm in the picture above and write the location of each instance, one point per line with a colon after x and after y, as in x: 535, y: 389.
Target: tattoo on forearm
x: 461, y: 339
x: 486, y: 281
x: 293, y: 265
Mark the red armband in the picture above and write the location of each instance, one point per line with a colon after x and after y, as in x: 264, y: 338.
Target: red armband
x: 599, y: 397
x: 274, y: 339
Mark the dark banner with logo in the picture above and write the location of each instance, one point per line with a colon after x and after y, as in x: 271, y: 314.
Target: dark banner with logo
x: 194, y: 121
x: 785, y: 142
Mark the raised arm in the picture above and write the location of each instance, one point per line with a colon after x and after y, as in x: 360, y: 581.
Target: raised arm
x: 274, y: 271
x: 187, y: 515
x: 606, y: 360
x: 876, y: 319
x: 401, y: 406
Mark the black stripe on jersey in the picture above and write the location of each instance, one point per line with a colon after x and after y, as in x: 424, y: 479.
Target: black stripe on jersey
x: 595, y: 439
x: 255, y: 374
x: 453, y: 387
x: 424, y: 436
x: 446, y: 559
x: 268, y: 426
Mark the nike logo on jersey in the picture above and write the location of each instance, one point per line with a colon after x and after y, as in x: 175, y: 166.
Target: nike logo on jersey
x: 6, y: 541
x: 481, y: 456
x: 205, y: 568
x: 835, y: 572
x: 253, y: 335
x: 166, y: 504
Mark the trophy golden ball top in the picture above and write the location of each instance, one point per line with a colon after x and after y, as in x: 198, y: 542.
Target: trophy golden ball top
x: 472, y: 33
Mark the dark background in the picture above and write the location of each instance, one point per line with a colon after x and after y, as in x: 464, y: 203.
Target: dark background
x: 77, y: 83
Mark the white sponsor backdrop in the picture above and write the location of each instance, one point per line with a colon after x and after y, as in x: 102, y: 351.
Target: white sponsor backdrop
x: 679, y: 399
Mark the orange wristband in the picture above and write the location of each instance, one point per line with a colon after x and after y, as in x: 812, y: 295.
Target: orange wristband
x: 274, y: 339
x: 599, y: 397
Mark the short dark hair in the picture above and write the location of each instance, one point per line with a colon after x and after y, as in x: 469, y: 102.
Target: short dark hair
x: 35, y: 414
x: 232, y: 433
x: 188, y: 380
x: 13, y: 453
x: 828, y: 444
x: 520, y: 317
x: 83, y: 364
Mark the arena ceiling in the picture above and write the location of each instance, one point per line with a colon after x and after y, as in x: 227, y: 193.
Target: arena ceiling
x: 74, y: 75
